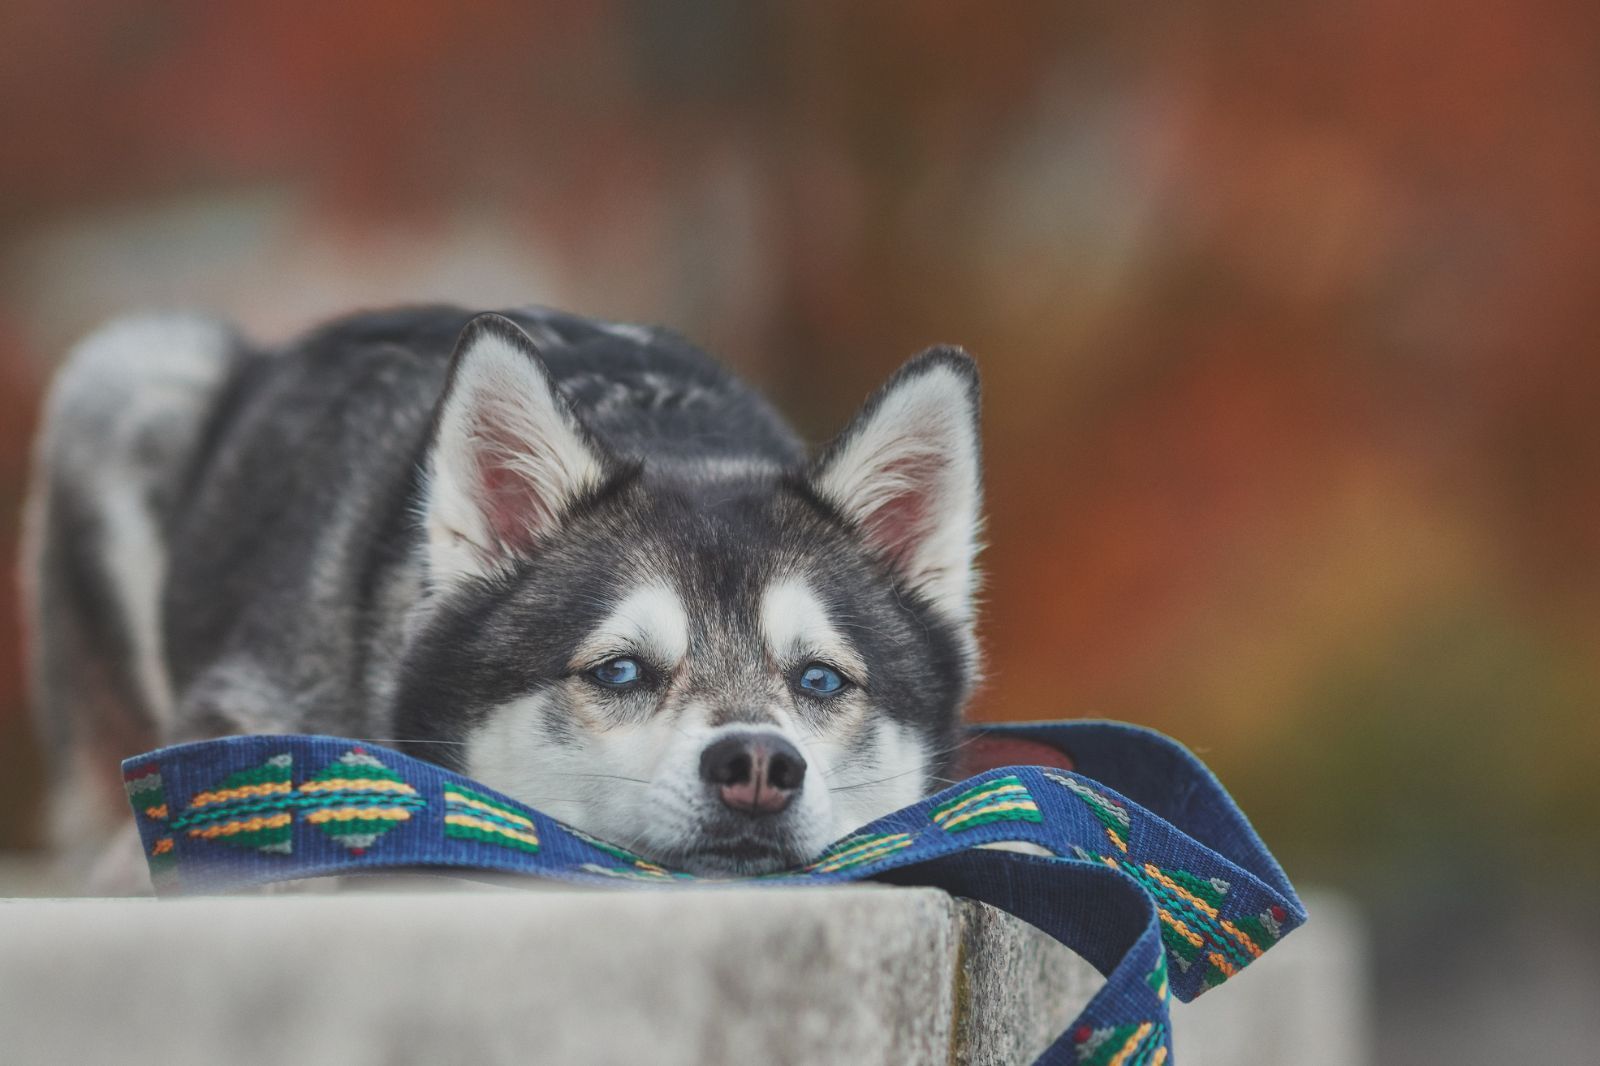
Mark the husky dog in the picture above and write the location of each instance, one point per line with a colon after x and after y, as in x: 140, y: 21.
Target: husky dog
x: 576, y: 560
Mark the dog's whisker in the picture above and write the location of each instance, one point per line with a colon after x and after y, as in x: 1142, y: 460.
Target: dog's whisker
x: 608, y: 777
x: 879, y: 781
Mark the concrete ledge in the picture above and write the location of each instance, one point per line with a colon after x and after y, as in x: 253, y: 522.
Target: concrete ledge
x: 1016, y: 988
x: 860, y: 974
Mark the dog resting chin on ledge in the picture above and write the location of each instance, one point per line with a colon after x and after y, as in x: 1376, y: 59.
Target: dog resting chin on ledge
x: 578, y: 561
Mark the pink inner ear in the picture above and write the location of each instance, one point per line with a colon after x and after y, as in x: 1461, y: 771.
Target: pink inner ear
x: 898, y: 524
x: 510, y: 503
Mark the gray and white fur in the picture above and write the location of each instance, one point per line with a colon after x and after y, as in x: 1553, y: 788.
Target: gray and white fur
x: 579, y: 561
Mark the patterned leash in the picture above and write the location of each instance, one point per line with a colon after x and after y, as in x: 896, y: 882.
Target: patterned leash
x: 1157, y: 879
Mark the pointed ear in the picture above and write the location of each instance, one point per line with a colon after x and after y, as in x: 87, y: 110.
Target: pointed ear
x: 907, y: 473
x: 508, y: 458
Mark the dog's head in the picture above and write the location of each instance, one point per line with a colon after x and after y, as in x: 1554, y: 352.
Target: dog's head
x: 722, y: 665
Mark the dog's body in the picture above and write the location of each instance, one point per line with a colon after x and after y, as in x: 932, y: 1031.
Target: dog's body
x: 576, y: 560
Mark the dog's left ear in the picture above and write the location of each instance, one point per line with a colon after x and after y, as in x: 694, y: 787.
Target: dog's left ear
x: 907, y: 473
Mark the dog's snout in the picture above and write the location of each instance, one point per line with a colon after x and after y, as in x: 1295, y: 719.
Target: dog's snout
x: 755, y: 773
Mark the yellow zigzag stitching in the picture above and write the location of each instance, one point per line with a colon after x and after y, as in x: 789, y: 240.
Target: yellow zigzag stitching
x: 1179, y: 928
x: 1204, y: 908
x: 1132, y: 1045
x: 1015, y: 805
x: 249, y: 825
x: 358, y: 784
x: 350, y: 814
x: 452, y: 796
x: 940, y: 816
x: 1182, y: 893
x: 855, y: 855
x: 1242, y: 937
x: 490, y: 827
x: 271, y: 788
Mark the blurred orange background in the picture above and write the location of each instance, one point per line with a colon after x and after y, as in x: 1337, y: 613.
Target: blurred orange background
x: 1287, y: 316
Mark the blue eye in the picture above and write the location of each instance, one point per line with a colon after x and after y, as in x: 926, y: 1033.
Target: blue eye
x: 617, y: 672
x: 819, y: 680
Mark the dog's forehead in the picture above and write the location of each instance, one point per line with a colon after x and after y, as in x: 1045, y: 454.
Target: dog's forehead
x: 734, y: 555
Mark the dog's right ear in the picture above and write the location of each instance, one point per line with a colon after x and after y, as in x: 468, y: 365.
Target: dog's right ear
x: 508, y: 459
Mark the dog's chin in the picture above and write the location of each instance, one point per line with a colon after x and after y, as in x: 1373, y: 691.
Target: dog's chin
x: 735, y: 864
x: 744, y: 856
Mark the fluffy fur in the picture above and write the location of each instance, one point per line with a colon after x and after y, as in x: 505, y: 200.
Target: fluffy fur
x: 431, y: 529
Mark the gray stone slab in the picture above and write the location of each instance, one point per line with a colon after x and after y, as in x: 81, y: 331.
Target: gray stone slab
x: 707, y: 976
x: 697, y: 977
x: 1016, y: 988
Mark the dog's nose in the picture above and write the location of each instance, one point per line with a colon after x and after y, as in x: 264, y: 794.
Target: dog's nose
x: 755, y: 773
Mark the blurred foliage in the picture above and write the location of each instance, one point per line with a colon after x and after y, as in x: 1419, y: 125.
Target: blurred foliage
x: 1286, y: 316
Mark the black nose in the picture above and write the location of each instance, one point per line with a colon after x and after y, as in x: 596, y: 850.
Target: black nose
x: 756, y: 773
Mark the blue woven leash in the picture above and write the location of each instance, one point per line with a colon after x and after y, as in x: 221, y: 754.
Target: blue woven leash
x: 1157, y: 880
